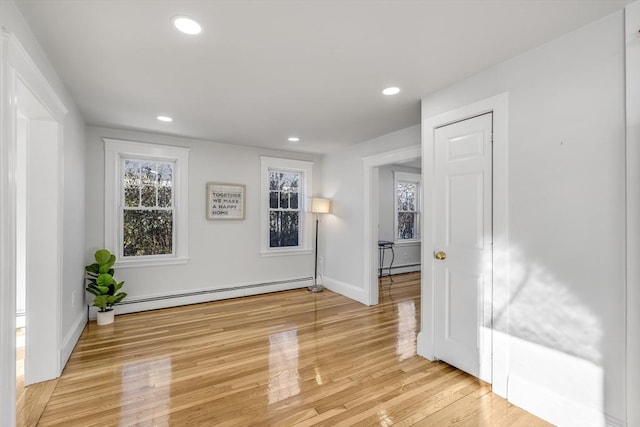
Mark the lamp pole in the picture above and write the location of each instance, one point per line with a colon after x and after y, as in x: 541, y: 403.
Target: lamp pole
x: 315, y: 273
x: 316, y: 287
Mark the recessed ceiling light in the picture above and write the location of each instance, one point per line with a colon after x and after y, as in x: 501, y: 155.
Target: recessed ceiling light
x: 187, y: 25
x: 294, y: 139
x: 164, y: 118
x: 391, y: 90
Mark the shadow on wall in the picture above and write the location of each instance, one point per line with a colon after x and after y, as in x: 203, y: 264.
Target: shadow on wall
x: 556, y: 341
x: 543, y: 311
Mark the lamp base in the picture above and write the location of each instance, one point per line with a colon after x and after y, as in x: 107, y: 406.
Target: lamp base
x: 316, y: 288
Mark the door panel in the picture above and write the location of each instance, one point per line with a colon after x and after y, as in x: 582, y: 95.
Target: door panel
x: 463, y: 230
x: 460, y: 300
x: 464, y: 195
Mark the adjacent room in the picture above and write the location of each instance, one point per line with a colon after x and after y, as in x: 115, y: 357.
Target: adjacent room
x: 320, y: 213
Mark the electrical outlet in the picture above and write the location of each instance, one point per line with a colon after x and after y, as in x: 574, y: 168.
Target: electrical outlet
x: 74, y: 299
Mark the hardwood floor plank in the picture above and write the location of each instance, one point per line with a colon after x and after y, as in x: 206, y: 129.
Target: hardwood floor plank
x: 290, y: 358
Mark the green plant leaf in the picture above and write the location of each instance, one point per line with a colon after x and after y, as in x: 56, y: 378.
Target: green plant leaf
x: 119, y: 285
x: 96, y: 290
x: 105, y: 280
x: 99, y: 290
x: 102, y: 256
x: 100, y: 301
x: 93, y: 268
x: 114, y: 299
x: 104, y: 268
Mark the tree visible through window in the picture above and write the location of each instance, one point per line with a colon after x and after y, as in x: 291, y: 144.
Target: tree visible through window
x: 147, y: 208
x: 284, y: 209
x: 407, y: 204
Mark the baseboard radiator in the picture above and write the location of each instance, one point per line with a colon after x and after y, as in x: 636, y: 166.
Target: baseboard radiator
x: 154, y: 302
x: 303, y: 281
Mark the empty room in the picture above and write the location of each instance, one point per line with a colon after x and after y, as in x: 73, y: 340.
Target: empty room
x: 320, y: 213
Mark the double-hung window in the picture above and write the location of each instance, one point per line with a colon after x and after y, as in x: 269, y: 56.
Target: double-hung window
x: 146, y: 202
x: 284, y: 209
x: 286, y: 186
x: 147, y: 207
x: 407, y: 206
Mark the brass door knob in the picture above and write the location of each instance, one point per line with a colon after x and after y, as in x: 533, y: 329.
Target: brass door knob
x: 440, y: 255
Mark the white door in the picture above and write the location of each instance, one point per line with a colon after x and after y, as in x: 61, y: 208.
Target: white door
x: 463, y: 243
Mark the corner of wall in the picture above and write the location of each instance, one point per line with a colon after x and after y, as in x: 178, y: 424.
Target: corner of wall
x: 347, y: 290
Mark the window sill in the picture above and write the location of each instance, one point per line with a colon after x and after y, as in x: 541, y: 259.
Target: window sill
x: 285, y: 252
x: 408, y: 243
x: 151, y: 262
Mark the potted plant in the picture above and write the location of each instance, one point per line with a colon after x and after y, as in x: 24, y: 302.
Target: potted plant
x: 103, y: 286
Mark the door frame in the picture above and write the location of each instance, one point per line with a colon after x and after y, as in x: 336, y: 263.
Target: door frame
x: 498, y: 105
x: 17, y: 66
x: 371, y: 214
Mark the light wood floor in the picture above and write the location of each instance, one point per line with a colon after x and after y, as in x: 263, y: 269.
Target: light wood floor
x: 286, y: 359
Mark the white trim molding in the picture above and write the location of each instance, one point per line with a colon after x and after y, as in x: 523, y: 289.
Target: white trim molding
x: 174, y: 299
x: 71, y: 338
x: 298, y: 166
x: 346, y: 289
x: 114, y: 151
x: 17, y: 70
x: 7, y: 236
x: 499, y: 106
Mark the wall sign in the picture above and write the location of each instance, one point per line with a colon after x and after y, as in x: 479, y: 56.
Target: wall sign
x: 225, y: 201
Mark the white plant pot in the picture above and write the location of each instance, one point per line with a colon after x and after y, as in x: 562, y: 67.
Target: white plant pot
x: 105, y: 317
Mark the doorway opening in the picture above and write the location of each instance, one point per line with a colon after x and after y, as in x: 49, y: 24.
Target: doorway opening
x: 399, y: 207
x: 31, y: 126
x: 380, y: 215
x: 38, y: 241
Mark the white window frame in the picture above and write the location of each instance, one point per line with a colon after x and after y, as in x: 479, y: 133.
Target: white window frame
x: 412, y: 178
x: 268, y: 164
x: 115, y: 151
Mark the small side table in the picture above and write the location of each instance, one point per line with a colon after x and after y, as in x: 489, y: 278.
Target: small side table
x: 383, y: 245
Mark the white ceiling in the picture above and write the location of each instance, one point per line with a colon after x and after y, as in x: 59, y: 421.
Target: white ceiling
x: 262, y: 71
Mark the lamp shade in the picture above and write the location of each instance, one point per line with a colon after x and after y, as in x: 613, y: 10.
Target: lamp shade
x: 319, y: 205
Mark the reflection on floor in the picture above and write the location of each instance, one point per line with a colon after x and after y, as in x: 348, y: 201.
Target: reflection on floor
x: 290, y: 358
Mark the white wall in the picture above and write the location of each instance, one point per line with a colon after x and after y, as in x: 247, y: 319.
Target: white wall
x: 343, y: 233
x: 632, y: 30
x: 223, y: 254
x: 407, y: 254
x: 565, y: 318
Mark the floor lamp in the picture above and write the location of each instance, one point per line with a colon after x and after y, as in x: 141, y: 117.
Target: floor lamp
x: 318, y: 206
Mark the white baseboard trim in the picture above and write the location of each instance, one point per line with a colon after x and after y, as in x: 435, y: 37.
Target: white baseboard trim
x: 403, y: 268
x: 555, y: 408
x: 421, y: 347
x: 614, y: 422
x: 71, y: 338
x: 346, y: 289
x: 154, y: 302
